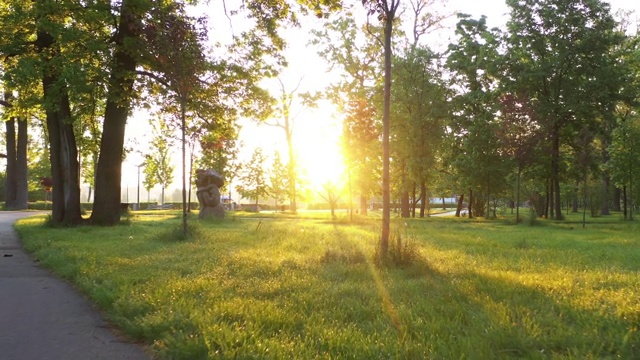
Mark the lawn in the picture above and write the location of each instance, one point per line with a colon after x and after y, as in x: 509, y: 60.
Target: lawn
x: 281, y: 287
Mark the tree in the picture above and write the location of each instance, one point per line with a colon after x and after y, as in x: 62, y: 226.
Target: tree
x: 420, y: 109
x: 477, y: 160
x: 331, y: 194
x: 253, y: 182
x: 286, y: 123
x: 278, y: 187
x: 357, y: 58
x: 386, y: 10
x: 559, y: 55
x: 158, y: 163
x: 177, y: 53
x: 519, y: 136
x: 16, y: 185
x: 625, y: 151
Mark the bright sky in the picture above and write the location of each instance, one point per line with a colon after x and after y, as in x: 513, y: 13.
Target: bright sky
x: 317, y: 131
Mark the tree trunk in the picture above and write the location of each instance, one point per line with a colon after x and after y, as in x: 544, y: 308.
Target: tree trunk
x: 89, y: 195
x: 624, y: 202
x: 555, y: 173
x: 606, y: 180
x: 364, y: 204
x: 423, y: 196
x: 183, y: 129
x: 518, y: 196
x: 604, y: 201
x: 404, y: 205
x: 63, y: 151
x: 488, y: 216
x: 11, y: 185
x: 616, y: 199
x: 574, y: 207
x: 414, y: 201
x: 470, y: 206
x: 22, y: 179
x: 106, y: 210
x: 386, y: 120
x: 460, y: 204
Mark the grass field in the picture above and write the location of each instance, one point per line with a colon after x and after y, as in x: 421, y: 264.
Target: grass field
x: 308, y: 288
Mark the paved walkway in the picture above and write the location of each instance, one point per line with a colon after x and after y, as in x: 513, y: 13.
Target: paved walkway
x: 44, y: 318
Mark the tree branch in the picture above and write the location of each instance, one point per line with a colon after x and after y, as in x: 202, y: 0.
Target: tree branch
x: 153, y: 76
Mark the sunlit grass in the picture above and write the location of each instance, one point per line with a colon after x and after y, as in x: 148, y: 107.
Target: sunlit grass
x: 308, y: 288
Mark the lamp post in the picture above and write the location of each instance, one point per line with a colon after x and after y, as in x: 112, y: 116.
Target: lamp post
x: 138, y: 203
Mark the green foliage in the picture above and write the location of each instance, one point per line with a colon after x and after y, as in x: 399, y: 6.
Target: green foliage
x: 253, y: 182
x: 477, y: 159
x: 159, y: 166
x: 306, y: 289
x: 278, y: 180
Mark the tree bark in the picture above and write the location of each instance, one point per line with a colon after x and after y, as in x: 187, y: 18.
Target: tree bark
x: 470, y: 206
x: 423, y: 196
x: 624, y: 202
x: 389, y: 17
x: 574, y: 207
x: 606, y: 180
x: 604, y: 201
x: 22, y: 179
x: 555, y: 173
x: 63, y: 150
x: 11, y: 185
x: 106, y: 209
x: 460, y: 204
x: 404, y: 205
x: 518, y: 196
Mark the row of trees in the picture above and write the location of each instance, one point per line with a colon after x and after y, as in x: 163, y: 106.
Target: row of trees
x: 82, y: 67
x: 548, y: 104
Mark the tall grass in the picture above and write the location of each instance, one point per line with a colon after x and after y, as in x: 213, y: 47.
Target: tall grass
x: 310, y: 288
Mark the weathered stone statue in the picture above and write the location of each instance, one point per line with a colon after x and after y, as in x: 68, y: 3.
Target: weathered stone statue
x: 208, y: 183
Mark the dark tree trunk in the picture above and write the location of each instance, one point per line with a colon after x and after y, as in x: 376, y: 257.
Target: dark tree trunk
x: 106, y: 209
x: 444, y: 205
x: 404, y: 205
x: 546, y: 201
x: 606, y: 180
x: 460, y: 204
x: 555, y: 173
x: 423, y: 196
x: 624, y: 202
x: 63, y: 151
x: 518, y: 196
x: 470, y: 207
x: 488, y: 215
x: 11, y: 185
x: 414, y: 201
x: 616, y: 199
x: 22, y: 179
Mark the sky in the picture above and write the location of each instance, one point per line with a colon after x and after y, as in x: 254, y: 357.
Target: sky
x: 317, y: 131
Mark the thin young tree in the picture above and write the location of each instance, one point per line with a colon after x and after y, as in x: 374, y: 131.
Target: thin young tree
x: 386, y: 10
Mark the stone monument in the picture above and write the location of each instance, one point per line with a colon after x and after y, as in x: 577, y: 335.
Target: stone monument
x: 208, y: 183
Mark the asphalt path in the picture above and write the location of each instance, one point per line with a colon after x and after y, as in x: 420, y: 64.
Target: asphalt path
x: 45, y: 318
